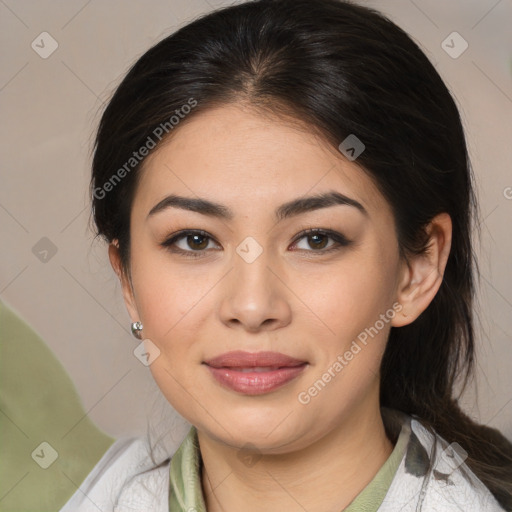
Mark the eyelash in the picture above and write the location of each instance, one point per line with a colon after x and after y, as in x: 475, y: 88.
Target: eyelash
x: 340, y: 241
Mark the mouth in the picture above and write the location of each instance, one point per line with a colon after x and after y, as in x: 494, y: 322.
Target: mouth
x: 255, y: 380
x: 256, y: 369
x: 239, y: 359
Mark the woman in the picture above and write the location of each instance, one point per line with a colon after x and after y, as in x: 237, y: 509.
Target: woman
x: 286, y: 192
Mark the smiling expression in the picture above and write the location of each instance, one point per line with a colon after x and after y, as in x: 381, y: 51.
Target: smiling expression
x: 221, y: 260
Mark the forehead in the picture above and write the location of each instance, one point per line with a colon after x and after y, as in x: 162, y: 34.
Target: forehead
x: 235, y: 155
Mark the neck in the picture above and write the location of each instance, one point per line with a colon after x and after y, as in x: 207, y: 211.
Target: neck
x: 325, y: 476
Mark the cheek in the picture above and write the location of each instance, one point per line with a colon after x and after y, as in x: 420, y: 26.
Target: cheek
x: 349, y: 296
x: 168, y: 296
x: 354, y: 309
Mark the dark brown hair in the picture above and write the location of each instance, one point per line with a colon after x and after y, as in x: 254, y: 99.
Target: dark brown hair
x: 342, y: 69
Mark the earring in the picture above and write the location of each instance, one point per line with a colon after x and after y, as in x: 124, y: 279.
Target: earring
x: 136, y: 328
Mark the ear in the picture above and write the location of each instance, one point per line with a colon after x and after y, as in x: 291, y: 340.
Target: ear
x: 421, y: 276
x: 129, y: 300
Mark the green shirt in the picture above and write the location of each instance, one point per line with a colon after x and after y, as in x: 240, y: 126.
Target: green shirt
x: 185, y: 475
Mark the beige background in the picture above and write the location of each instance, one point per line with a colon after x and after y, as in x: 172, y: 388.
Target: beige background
x: 50, y: 108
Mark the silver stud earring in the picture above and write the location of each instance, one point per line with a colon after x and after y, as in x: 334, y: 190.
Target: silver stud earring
x: 136, y: 328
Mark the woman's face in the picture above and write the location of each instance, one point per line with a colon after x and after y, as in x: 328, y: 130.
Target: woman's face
x: 253, y: 283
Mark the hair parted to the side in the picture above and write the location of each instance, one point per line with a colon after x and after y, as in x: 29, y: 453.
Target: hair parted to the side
x: 341, y: 69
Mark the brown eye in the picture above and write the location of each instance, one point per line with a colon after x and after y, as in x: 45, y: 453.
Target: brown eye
x: 317, y: 241
x: 193, y: 243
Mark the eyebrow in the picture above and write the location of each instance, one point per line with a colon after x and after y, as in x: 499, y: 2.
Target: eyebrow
x: 286, y: 210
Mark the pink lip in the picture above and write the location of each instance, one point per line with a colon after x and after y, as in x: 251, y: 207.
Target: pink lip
x: 227, y: 370
x: 241, y: 359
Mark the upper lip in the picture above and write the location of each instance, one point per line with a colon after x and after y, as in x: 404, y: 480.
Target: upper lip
x: 241, y: 359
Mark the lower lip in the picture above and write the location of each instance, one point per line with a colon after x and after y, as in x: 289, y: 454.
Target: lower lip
x: 256, y: 383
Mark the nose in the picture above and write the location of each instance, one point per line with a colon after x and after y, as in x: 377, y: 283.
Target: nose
x: 255, y: 296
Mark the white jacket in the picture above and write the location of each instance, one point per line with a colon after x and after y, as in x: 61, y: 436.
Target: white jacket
x: 432, y: 476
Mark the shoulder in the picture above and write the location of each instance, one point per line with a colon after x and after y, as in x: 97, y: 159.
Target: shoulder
x: 125, y: 478
x: 433, y: 475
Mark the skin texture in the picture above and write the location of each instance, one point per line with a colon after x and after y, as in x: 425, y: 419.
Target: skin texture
x: 292, y: 299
